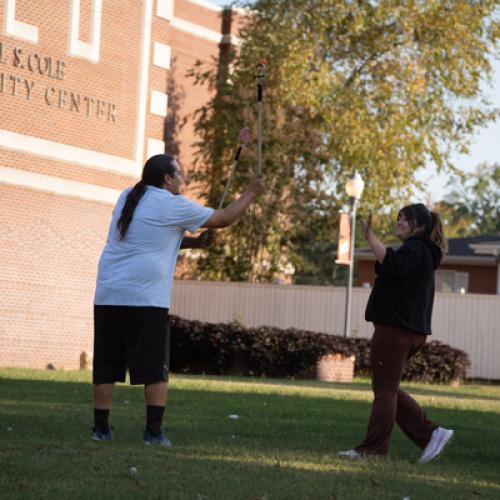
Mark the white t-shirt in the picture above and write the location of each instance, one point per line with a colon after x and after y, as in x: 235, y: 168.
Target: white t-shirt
x: 139, y: 270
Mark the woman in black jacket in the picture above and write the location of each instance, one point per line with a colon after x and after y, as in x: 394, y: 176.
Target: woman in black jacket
x: 400, y: 307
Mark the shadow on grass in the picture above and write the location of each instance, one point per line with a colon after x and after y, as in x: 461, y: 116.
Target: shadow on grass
x: 332, y: 480
x: 358, y: 385
x: 451, y: 393
x: 281, y: 446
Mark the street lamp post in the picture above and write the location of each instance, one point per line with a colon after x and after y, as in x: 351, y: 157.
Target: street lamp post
x: 354, y: 188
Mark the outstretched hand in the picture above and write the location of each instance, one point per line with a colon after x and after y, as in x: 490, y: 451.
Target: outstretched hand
x: 257, y: 185
x: 204, y: 240
x: 367, y: 225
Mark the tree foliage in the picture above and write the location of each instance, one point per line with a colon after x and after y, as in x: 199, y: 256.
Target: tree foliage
x: 472, y: 208
x: 379, y: 86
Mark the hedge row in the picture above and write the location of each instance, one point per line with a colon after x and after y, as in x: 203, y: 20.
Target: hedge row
x: 220, y: 348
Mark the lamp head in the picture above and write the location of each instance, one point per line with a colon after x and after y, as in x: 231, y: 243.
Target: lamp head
x: 354, y: 186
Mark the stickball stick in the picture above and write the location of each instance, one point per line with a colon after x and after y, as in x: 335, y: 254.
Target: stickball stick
x: 244, y: 138
x: 260, y: 75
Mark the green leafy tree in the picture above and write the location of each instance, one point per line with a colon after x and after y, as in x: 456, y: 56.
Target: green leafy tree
x: 378, y: 86
x: 472, y: 208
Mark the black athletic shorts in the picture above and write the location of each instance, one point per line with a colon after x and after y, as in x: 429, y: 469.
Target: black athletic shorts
x: 133, y: 338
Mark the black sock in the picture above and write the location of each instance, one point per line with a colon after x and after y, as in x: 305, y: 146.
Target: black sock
x: 154, y: 419
x: 101, y: 420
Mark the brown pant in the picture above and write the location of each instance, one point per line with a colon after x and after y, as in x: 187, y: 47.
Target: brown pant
x: 391, y: 347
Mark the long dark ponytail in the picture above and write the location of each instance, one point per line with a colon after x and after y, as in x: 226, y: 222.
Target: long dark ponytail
x: 153, y: 174
x: 418, y: 215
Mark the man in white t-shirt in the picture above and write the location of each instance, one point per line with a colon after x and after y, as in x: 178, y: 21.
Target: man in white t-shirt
x: 134, y: 283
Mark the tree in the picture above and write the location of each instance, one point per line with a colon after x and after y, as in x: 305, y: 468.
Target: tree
x: 472, y: 207
x: 378, y: 86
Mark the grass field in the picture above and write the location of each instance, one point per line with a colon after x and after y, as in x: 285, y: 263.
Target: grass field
x: 282, y: 446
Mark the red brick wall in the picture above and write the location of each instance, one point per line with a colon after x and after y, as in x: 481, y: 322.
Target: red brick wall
x: 365, y: 272
x: 184, y: 55
x: 50, y: 244
x: 482, y: 279
x: 113, y: 79
x: 335, y: 368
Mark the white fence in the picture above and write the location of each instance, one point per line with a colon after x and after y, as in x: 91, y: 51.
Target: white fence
x: 468, y: 322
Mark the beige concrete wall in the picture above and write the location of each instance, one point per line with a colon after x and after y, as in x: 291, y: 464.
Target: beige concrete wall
x: 468, y: 322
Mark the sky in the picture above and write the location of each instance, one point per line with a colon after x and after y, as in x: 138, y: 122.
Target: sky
x: 485, y: 145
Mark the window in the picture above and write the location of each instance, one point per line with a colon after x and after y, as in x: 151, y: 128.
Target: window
x: 452, y: 281
x: 81, y: 49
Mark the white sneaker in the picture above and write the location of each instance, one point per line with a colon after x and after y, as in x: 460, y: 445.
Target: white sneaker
x: 439, y: 439
x: 351, y: 454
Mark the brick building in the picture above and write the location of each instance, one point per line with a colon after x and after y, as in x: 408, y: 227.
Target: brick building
x: 472, y: 265
x: 88, y: 90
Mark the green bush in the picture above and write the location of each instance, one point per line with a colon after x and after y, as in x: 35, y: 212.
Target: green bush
x: 221, y: 348
x: 439, y: 363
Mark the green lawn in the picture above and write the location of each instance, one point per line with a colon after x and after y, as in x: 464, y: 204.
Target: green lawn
x: 282, y: 446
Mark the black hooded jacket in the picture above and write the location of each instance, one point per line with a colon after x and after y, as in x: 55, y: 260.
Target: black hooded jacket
x: 403, y: 293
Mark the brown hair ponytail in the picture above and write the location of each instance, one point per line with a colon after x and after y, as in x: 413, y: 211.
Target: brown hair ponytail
x: 418, y: 215
x: 437, y: 233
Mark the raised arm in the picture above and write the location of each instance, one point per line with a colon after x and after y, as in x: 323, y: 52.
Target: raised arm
x: 230, y: 214
x: 377, y: 247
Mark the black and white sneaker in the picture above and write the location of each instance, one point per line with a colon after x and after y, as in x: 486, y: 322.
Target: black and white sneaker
x: 98, y: 435
x: 160, y: 440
